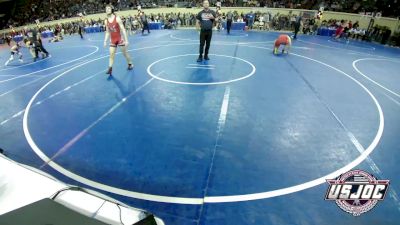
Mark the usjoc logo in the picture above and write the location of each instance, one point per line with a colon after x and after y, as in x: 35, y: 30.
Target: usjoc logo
x: 356, y: 191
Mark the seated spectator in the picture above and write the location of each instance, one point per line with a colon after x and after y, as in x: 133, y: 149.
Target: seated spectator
x: 357, y: 33
x: 56, y: 39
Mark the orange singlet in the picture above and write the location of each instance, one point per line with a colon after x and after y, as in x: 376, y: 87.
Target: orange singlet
x: 283, y: 39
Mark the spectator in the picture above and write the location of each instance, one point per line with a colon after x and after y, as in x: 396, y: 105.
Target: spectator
x: 250, y: 19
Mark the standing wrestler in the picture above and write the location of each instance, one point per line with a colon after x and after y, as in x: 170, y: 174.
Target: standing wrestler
x: 114, y: 27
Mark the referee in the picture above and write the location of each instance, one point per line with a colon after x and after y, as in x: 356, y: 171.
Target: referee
x: 229, y: 17
x: 297, y: 24
x: 205, y: 22
x: 145, y: 24
x: 34, y: 37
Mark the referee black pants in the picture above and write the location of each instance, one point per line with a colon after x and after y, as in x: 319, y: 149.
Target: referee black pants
x: 146, y: 27
x: 296, y: 30
x: 205, y: 38
x: 39, y: 48
x: 228, y: 25
x: 80, y: 32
